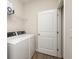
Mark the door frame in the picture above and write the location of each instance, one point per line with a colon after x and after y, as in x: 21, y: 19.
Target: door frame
x: 59, y: 53
x: 60, y: 42
x: 58, y: 35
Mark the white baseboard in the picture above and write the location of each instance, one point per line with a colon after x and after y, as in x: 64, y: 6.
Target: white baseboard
x: 49, y: 52
x: 46, y: 51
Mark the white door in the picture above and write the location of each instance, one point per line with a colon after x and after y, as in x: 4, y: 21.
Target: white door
x: 47, y: 32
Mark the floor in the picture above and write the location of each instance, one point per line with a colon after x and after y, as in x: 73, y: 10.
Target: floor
x: 38, y: 55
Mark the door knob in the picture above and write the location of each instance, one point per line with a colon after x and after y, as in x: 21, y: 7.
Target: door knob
x: 39, y: 34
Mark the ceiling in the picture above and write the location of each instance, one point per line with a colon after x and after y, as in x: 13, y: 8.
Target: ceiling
x: 26, y: 1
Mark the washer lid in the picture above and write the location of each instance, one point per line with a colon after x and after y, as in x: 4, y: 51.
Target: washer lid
x: 16, y: 39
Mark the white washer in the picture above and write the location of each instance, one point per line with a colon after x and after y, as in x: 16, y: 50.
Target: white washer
x: 19, y: 47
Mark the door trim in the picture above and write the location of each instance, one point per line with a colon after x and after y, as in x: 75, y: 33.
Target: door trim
x: 59, y: 34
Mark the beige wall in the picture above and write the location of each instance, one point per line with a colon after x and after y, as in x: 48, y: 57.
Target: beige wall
x: 31, y: 13
x: 25, y: 17
x: 68, y: 30
x: 15, y: 21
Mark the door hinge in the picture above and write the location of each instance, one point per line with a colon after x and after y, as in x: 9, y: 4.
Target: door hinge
x: 57, y: 32
x: 57, y: 14
x: 57, y: 49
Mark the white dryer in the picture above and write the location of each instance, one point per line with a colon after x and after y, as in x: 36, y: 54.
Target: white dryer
x: 18, y: 48
x: 21, y: 46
